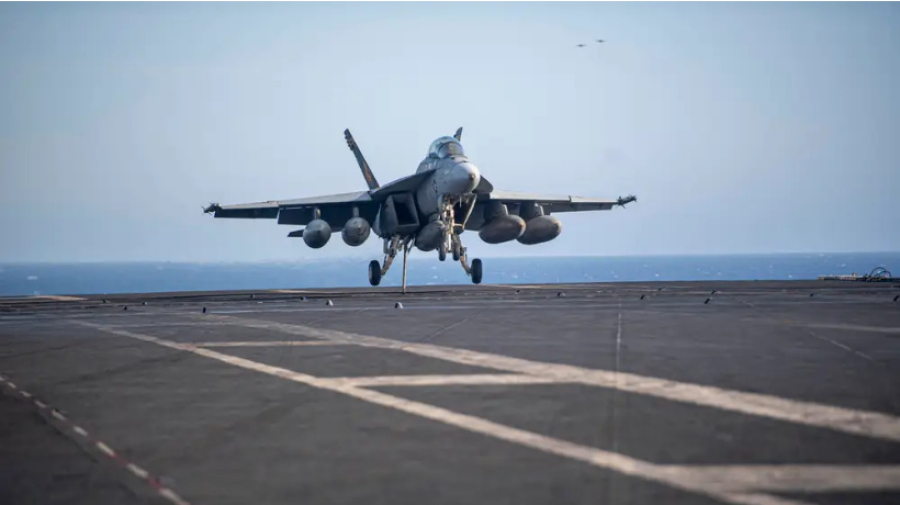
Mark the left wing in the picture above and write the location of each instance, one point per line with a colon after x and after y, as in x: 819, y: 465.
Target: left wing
x: 556, y: 203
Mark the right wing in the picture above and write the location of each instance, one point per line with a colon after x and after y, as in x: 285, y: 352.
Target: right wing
x: 334, y: 209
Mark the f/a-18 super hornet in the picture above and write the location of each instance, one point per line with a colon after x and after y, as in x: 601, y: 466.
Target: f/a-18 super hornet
x: 429, y: 210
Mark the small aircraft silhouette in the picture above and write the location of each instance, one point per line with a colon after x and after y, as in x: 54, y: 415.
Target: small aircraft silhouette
x: 600, y: 41
x: 580, y: 45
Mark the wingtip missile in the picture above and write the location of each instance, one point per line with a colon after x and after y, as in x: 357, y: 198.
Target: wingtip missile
x: 621, y: 202
x: 212, y: 207
x: 349, y: 138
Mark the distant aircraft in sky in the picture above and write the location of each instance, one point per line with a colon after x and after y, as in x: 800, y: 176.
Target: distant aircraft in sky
x: 429, y: 210
x: 580, y: 45
x: 600, y: 41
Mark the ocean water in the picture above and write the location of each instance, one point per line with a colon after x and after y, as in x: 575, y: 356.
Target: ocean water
x: 101, y: 278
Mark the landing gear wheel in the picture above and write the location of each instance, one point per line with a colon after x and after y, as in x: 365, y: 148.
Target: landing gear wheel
x: 476, y: 271
x: 442, y: 252
x: 456, y: 254
x: 374, y: 273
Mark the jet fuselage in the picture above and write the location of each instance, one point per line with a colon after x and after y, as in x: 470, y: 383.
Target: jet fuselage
x: 453, y: 175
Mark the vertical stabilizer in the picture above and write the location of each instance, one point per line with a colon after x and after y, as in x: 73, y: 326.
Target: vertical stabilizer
x: 366, y: 171
x: 458, y: 134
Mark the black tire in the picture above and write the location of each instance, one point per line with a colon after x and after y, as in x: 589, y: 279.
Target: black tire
x: 374, y: 273
x: 456, y: 254
x: 476, y: 271
x: 442, y: 252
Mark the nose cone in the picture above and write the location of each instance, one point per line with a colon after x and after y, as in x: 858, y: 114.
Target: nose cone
x: 465, y: 178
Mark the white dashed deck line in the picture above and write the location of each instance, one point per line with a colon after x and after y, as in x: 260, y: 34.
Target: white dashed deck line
x: 744, y: 486
x: 440, y: 380
x: 840, y: 345
x: 172, y: 497
x: 138, y: 471
x: 105, y: 449
x: 857, y: 422
x: 12, y: 385
x: 269, y: 343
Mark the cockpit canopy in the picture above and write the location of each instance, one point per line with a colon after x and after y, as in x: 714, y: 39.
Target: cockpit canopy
x: 444, y: 147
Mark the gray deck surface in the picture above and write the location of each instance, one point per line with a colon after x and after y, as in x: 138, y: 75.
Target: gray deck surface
x: 580, y: 394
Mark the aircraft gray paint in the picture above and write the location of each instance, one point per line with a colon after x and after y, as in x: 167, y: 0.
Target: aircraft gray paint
x: 429, y: 210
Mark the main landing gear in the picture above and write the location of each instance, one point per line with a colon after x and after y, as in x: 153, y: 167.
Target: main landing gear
x: 392, y: 246
x: 450, y: 243
x: 395, y: 244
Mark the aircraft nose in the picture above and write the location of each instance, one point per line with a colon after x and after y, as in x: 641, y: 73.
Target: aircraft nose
x: 473, y: 177
x: 459, y: 179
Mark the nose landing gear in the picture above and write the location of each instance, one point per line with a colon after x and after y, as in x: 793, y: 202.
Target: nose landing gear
x: 451, y: 241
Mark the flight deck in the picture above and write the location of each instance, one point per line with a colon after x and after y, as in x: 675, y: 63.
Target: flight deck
x: 765, y: 392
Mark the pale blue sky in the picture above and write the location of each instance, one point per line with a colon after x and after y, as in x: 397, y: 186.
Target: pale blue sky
x: 742, y: 128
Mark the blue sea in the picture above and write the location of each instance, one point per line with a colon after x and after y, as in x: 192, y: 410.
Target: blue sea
x: 146, y: 277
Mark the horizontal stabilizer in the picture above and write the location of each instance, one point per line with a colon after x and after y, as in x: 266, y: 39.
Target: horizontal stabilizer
x: 296, y: 233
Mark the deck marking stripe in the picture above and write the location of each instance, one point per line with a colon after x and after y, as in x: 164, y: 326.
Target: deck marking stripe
x: 763, y: 499
x: 682, y: 477
x: 26, y: 394
x: 850, y: 327
x: 105, y: 448
x: 266, y: 343
x: 440, y: 380
x: 58, y: 298
x: 80, y: 431
x: 786, y: 478
x: 40, y: 404
x: 140, y: 472
x: 11, y: 385
x: 58, y: 415
x: 857, y: 422
x: 614, y: 431
x: 172, y: 497
x: 840, y: 345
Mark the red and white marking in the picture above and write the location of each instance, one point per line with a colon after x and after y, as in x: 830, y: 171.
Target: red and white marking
x: 101, y: 446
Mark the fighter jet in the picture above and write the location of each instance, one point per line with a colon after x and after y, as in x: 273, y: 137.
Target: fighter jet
x: 600, y: 41
x: 429, y: 210
x: 580, y: 45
